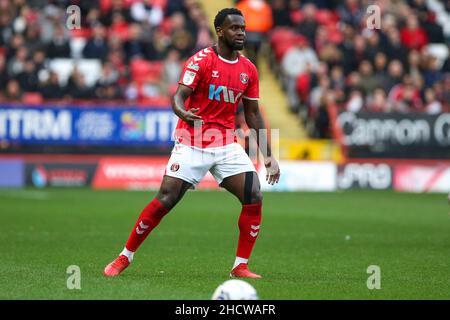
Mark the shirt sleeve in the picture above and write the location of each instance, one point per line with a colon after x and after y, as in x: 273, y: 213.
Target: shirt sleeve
x: 252, y: 91
x: 193, y: 70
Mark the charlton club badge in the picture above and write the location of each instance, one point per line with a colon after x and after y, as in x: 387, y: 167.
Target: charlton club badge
x: 244, y: 78
x: 174, y: 167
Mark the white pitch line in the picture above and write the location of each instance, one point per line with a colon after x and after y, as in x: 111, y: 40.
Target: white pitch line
x: 25, y: 194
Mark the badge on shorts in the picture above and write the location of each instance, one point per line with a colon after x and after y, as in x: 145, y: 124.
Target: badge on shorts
x: 244, y: 78
x: 174, y: 167
x: 189, y: 77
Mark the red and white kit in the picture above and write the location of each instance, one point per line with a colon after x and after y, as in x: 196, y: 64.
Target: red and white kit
x: 218, y: 85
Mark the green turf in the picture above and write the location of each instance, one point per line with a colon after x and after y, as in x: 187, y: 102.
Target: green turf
x: 302, y: 251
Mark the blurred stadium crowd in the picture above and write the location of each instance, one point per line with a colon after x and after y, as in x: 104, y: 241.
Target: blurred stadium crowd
x: 125, y: 50
x: 322, y: 52
x: 325, y: 54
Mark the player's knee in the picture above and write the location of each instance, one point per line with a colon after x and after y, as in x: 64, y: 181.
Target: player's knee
x: 167, y: 198
x: 256, y: 196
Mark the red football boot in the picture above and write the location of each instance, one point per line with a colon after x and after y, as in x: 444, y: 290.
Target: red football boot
x: 116, y: 267
x: 241, y: 271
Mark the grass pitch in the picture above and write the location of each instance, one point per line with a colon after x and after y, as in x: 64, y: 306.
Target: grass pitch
x: 311, y: 245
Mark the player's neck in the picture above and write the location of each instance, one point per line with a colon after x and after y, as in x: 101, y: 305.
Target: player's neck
x: 226, y: 53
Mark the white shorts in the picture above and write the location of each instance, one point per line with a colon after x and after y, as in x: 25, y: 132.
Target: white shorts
x: 191, y: 163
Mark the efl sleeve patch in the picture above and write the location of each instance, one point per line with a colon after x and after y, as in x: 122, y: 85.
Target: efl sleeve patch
x: 189, y: 77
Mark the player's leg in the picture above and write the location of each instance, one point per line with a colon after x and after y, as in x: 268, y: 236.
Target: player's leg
x: 246, y: 187
x: 170, y: 193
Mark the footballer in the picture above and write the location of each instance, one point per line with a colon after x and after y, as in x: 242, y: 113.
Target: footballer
x: 212, y: 83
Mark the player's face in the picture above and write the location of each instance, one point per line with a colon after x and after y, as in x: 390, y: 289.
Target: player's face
x: 232, y: 32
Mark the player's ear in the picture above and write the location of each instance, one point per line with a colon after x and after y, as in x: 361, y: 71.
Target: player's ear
x: 219, y: 32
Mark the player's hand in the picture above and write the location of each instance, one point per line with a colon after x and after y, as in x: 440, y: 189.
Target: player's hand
x: 272, y: 170
x: 191, y: 117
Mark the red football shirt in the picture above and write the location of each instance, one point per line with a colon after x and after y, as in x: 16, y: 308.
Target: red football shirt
x: 218, y: 85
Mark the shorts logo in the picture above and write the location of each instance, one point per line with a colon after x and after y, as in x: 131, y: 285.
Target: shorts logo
x: 244, y: 78
x: 189, y: 77
x: 174, y: 167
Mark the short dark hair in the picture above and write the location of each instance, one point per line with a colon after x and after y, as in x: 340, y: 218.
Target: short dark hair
x: 222, y: 14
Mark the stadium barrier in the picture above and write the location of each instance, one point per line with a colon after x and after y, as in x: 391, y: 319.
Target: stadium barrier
x: 395, y: 135
x: 310, y: 150
x: 146, y: 172
x: 12, y: 173
x: 75, y: 125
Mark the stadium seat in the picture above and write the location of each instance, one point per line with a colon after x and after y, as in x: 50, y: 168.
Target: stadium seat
x: 32, y: 98
x: 149, y: 102
x: 334, y: 34
x: 142, y: 69
x: 76, y: 47
x: 326, y: 17
x: 281, y: 34
x: 84, y: 33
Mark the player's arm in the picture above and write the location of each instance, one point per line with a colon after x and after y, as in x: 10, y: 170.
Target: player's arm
x: 179, y: 107
x: 254, y: 121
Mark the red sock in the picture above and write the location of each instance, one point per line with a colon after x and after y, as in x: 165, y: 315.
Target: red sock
x: 249, y: 222
x: 147, y: 221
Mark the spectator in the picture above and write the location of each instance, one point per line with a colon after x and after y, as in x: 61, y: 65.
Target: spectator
x: 377, y: 101
x: 134, y: 47
x: 3, y: 72
x: 59, y: 46
x: 318, y: 93
x: 13, y: 91
x: 308, y: 26
x: 145, y: 11
x: 433, y: 71
x: 28, y: 79
x: 119, y: 26
x: 172, y: 68
x: 355, y: 101
x: 17, y: 64
x: 414, y: 68
x: 413, y: 36
x: 355, y: 54
x: 182, y: 40
x: 321, y: 120
x: 77, y: 87
x: 116, y: 9
x: 50, y: 88
x: 338, y: 82
x: 394, y: 48
x: 351, y: 12
x: 152, y: 88
x: 280, y: 14
x: 405, y: 97
x: 434, y: 32
x: 258, y: 20
x: 97, y: 46
x: 39, y: 60
x: 204, y: 36
x: 296, y: 61
x: 394, y: 75
x: 368, y: 79
x: 380, y: 62
x: 108, y: 77
x: 432, y: 105
x: 131, y: 91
